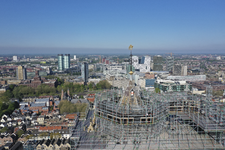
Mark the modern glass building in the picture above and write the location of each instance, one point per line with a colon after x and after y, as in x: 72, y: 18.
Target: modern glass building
x: 169, y: 63
x: 60, y: 62
x: 128, y: 68
x: 157, y: 60
x: 172, y: 86
x: 84, y: 72
x: 149, y: 82
x: 66, y: 61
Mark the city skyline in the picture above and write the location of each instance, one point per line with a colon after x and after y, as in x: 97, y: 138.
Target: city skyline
x: 108, y: 27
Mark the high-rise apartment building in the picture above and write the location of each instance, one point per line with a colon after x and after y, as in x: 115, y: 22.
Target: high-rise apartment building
x: 63, y: 62
x: 60, y: 62
x: 157, y: 60
x: 74, y: 57
x: 180, y: 70
x: 21, y: 73
x: 66, y: 61
x: 103, y: 60
x: 177, y: 70
x: 99, y: 58
x: 15, y: 58
x: 184, y: 70
x: 84, y: 72
x: 169, y: 63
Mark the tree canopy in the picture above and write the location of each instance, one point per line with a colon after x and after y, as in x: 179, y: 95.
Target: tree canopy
x: 68, y: 107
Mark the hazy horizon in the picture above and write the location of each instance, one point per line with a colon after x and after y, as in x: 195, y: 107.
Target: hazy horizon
x: 103, y: 27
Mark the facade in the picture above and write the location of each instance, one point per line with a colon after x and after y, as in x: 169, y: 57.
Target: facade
x: 177, y: 70
x: 180, y: 70
x: 84, y: 72
x: 21, y: 73
x: 169, y: 63
x: 149, y: 82
x: 74, y: 57
x: 116, y: 67
x: 15, y: 58
x: 143, y: 64
x: 129, y: 68
x: 107, y: 61
x: 188, y: 78
x: 172, y: 86
x: 157, y: 60
x: 66, y: 61
x: 5, y: 139
x: 60, y: 62
x: 184, y: 70
x: 63, y: 62
x: 37, y: 80
x: 103, y: 60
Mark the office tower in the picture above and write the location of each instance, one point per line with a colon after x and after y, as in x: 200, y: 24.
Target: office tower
x: 180, y: 70
x: 184, y: 70
x: 66, y: 61
x: 60, y: 62
x: 143, y: 64
x: 135, y: 62
x: 21, y: 73
x: 74, y: 57
x: 107, y: 61
x: 177, y: 69
x: 103, y: 60
x: 169, y: 63
x: 15, y: 58
x: 157, y: 60
x: 84, y: 72
x: 99, y: 58
x: 128, y: 68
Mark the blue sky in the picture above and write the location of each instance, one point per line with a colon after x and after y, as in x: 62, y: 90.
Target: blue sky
x: 110, y: 26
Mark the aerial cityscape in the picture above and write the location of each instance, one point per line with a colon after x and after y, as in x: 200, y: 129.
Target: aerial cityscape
x: 119, y: 75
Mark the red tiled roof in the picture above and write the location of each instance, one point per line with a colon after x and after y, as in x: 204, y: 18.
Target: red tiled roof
x: 91, y: 97
x: 49, y: 128
x: 71, y: 116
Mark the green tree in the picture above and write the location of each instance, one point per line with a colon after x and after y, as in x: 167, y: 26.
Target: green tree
x: 8, y: 94
x: 104, y: 84
x: 157, y: 90
x: 90, y: 86
x: 68, y: 107
x: 19, y: 133
x: 43, y: 134
x: 4, y: 129
x: 29, y: 136
x: 55, y: 135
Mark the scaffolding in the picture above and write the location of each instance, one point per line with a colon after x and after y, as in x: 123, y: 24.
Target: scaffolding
x: 176, y: 120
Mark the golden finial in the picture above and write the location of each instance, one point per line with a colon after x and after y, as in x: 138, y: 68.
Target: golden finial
x: 131, y: 72
x: 130, y: 47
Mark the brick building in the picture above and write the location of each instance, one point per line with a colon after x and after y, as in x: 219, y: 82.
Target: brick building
x: 37, y: 80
